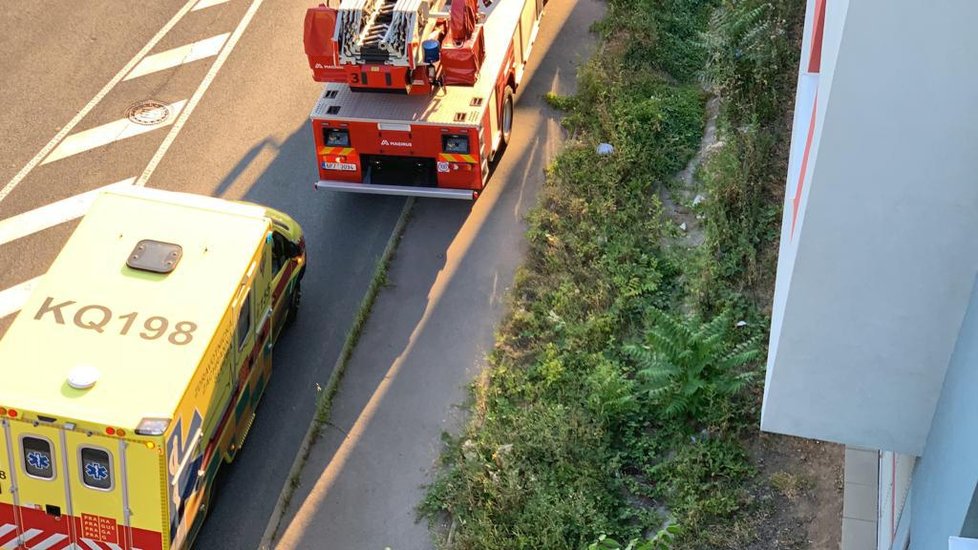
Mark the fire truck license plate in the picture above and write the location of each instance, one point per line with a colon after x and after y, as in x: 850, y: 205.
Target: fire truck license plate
x: 345, y: 166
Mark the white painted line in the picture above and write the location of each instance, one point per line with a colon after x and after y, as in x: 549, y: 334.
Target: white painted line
x: 13, y: 298
x: 108, y: 133
x: 199, y: 92
x: 195, y: 51
x: 53, y: 214
x: 19, y: 177
x: 207, y: 3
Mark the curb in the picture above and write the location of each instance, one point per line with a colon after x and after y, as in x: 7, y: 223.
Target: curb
x: 324, y: 403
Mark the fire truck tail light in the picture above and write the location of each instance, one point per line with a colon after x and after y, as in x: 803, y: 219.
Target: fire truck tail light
x: 11, y: 413
x: 455, y: 143
x: 110, y: 430
x: 333, y: 137
x: 152, y: 426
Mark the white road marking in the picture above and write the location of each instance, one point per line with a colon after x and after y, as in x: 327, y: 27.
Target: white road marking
x: 207, y: 3
x: 53, y: 214
x: 202, y: 49
x: 105, y: 134
x: 33, y: 163
x: 13, y: 298
x: 199, y: 92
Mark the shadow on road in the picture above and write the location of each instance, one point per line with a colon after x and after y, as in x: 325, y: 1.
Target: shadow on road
x: 430, y: 330
x: 345, y: 237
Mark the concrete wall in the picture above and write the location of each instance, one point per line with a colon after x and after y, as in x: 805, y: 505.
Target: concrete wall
x: 886, y: 251
x: 946, y: 476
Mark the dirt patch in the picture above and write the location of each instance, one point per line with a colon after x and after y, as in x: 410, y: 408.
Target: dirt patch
x: 798, y: 491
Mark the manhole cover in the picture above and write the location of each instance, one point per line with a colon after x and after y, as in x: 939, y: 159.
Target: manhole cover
x: 148, y: 113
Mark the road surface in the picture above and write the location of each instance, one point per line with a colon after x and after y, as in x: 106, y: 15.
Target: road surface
x: 245, y: 138
x: 221, y: 92
x: 430, y: 329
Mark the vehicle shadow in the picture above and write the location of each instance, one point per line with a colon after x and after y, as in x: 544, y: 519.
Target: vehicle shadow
x: 428, y: 334
x: 345, y: 237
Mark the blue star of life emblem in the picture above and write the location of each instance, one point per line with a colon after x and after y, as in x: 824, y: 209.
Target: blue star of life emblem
x: 38, y: 460
x: 96, y: 471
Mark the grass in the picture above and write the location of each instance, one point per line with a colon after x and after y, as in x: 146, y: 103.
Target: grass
x: 607, y: 414
x: 790, y: 485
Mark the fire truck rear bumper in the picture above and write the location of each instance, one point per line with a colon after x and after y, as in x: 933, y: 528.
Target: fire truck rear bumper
x: 404, y: 190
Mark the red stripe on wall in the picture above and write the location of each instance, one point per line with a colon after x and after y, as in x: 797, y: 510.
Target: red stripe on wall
x: 818, y: 26
x: 804, y: 167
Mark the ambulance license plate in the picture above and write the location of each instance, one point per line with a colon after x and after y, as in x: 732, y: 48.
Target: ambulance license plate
x: 345, y: 166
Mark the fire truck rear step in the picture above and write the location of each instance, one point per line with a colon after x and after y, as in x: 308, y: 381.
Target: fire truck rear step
x: 401, y: 190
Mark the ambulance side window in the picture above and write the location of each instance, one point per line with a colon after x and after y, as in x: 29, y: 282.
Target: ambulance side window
x: 279, y: 252
x: 244, y: 321
x: 38, y: 459
x: 96, y: 468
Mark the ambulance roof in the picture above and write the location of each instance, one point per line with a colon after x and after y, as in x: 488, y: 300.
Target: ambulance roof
x: 138, y: 375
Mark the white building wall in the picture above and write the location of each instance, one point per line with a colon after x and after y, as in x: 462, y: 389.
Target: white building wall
x: 877, y: 274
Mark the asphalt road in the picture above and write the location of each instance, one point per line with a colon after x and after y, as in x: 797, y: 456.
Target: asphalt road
x: 237, y: 128
x: 431, y: 327
x: 246, y: 138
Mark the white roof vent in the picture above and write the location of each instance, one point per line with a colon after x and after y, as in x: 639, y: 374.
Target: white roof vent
x: 83, y: 377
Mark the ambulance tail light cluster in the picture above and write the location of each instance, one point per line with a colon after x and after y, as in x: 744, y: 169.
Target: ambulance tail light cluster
x: 152, y: 426
x: 12, y: 413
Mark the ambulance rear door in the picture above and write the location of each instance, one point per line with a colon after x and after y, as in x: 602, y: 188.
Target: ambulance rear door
x: 99, y: 489
x: 9, y: 523
x: 38, y: 472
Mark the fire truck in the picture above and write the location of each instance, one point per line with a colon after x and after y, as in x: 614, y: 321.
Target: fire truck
x: 418, y: 97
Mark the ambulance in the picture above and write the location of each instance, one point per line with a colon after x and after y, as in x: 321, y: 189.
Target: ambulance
x: 134, y: 369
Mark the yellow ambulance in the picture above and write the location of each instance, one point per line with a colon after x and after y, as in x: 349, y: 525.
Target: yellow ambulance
x: 134, y: 369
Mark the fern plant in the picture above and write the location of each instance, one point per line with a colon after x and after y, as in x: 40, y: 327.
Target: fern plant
x: 747, y: 52
x: 683, y: 365
x: 662, y: 540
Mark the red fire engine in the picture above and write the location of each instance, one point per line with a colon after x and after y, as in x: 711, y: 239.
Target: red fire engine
x: 418, y: 100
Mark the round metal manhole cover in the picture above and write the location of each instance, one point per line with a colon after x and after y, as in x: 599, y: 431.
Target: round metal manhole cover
x: 148, y: 113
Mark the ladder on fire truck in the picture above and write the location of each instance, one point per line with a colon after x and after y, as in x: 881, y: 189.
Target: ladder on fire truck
x: 379, y: 31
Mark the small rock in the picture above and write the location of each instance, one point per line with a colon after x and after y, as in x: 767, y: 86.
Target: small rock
x: 605, y: 149
x: 698, y: 199
x: 470, y: 450
x: 682, y: 226
x: 499, y: 457
x: 741, y: 324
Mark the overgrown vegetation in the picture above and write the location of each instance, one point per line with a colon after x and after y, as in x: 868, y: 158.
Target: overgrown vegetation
x: 608, y: 414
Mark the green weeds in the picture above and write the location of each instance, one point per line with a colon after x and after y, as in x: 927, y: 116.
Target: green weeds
x: 606, y: 414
